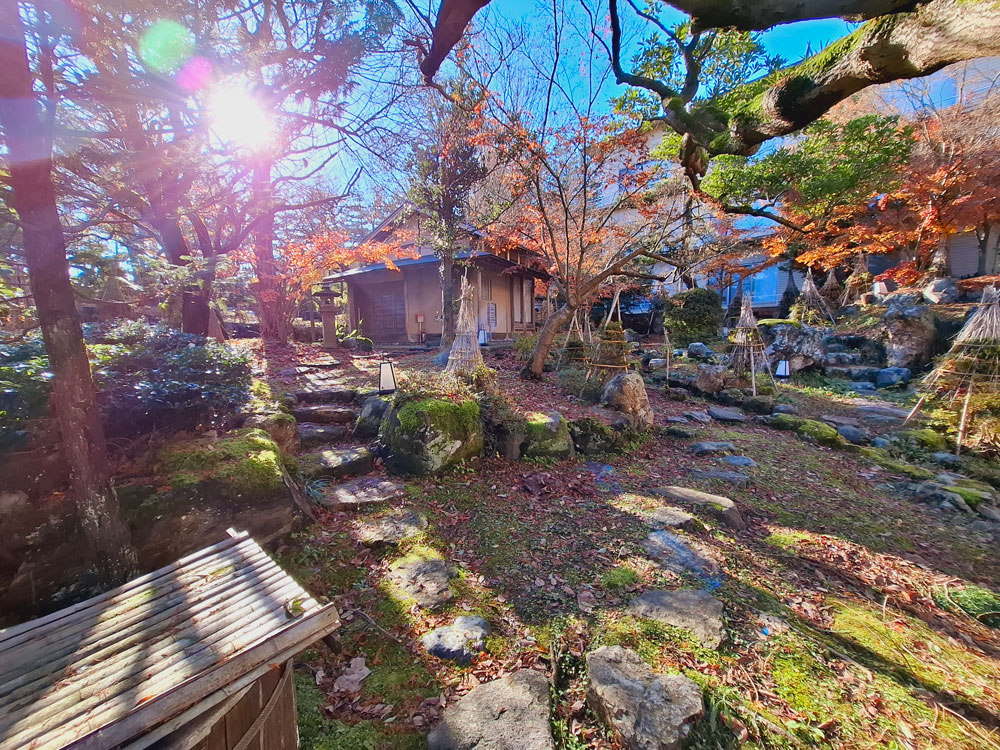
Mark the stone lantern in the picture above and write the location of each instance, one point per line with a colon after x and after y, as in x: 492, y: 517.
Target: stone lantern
x: 328, y: 310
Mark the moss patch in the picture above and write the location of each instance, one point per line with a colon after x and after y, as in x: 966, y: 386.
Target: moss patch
x: 975, y: 601
x: 619, y: 577
x: 888, y: 463
x: 247, y: 464
x: 818, y: 432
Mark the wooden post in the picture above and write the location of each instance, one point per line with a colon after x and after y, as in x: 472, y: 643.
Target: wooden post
x: 962, y: 424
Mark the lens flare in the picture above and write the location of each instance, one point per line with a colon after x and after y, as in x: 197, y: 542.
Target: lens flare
x: 239, y: 119
x: 166, y: 46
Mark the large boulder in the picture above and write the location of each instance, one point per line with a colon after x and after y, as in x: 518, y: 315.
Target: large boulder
x: 370, y: 418
x: 426, y: 436
x: 911, y: 334
x: 942, y: 291
x: 547, y: 436
x: 592, y: 437
x: 711, y: 378
x: 799, y: 344
x: 511, y: 713
x: 642, y: 709
x: 698, y: 350
x: 626, y: 393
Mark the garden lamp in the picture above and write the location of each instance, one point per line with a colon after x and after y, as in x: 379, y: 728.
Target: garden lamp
x: 386, y: 377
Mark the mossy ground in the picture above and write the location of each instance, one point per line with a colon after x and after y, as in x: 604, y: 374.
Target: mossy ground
x: 247, y: 464
x: 834, y: 636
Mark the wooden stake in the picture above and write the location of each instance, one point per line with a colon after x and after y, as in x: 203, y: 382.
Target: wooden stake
x: 914, y: 410
x: 962, y: 424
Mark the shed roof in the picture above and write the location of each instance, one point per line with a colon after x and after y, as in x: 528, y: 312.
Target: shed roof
x: 425, y: 260
x: 172, y: 643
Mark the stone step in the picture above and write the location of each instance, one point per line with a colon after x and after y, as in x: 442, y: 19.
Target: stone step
x: 312, y: 435
x: 361, y: 492
x: 842, y: 358
x: 324, y: 395
x: 854, y: 372
x: 337, y: 463
x: 325, y: 414
x: 846, y: 340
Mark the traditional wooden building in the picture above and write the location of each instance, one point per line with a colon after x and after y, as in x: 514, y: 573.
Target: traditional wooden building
x: 403, y: 304
x: 194, y: 656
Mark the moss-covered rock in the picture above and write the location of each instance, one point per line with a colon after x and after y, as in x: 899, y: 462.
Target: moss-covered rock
x: 426, y: 436
x: 547, y: 436
x: 282, y: 429
x: 922, y: 438
x: 758, y: 404
x: 592, y: 437
x: 887, y: 462
x: 246, y: 464
x: 811, y: 429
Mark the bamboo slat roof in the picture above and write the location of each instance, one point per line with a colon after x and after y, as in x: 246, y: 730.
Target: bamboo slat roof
x: 109, y: 669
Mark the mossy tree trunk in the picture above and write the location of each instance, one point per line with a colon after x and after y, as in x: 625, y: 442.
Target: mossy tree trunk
x: 73, y: 392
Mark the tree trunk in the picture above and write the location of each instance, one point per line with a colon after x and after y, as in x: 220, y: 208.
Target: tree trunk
x: 446, y: 272
x: 546, y: 336
x: 273, y: 316
x: 73, y: 391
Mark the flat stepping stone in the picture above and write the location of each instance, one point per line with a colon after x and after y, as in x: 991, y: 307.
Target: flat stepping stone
x: 743, y: 461
x: 337, y: 463
x: 736, y: 478
x: 721, y: 507
x: 703, y: 449
x: 838, y: 420
x: 697, y: 611
x: 391, y: 528
x: 726, y: 415
x: 324, y: 395
x: 883, y: 410
x: 678, y: 420
x: 360, y: 492
x: 852, y: 434
x: 678, y: 432
x: 325, y: 414
x: 642, y: 710
x: 312, y: 434
x: 423, y: 579
x: 672, y: 553
x: 459, y: 641
x: 511, y: 713
x: 698, y: 416
x: 671, y: 518
x: 785, y: 409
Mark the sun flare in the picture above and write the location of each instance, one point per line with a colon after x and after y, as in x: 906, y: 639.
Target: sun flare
x: 240, y: 119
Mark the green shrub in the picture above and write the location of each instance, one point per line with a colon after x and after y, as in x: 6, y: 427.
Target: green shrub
x: 24, y: 391
x: 693, y: 315
x: 574, y: 381
x: 524, y: 345
x: 149, y: 376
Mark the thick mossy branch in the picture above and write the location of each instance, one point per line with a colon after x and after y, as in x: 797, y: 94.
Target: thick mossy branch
x: 909, y: 44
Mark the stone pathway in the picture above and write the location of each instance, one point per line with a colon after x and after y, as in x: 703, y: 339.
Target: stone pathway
x: 721, y: 507
x: 425, y: 580
x: 360, y: 492
x: 697, y: 611
x: 457, y: 642
x: 642, y: 709
x: 511, y: 713
x: 391, y: 528
x: 722, y: 475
